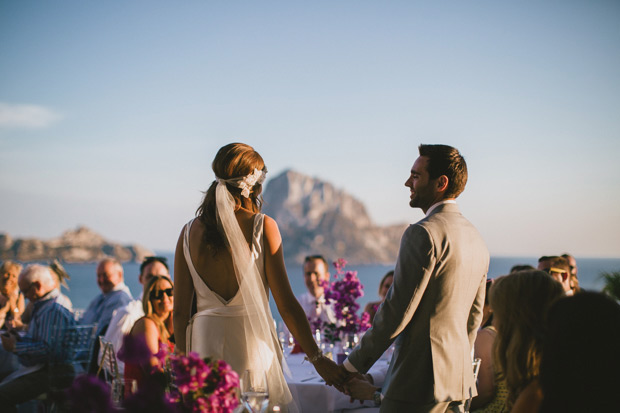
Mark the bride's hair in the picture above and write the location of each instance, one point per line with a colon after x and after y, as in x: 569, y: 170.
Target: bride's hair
x: 234, y: 160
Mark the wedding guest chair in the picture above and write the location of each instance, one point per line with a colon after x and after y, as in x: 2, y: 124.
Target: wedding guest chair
x: 476, y: 366
x: 109, y: 364
x: 72, y: 355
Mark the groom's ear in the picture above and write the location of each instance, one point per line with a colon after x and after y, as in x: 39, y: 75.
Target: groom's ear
x: 442, y: 183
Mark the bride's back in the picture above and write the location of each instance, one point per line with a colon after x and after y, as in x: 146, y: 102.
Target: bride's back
x: 216, y: 269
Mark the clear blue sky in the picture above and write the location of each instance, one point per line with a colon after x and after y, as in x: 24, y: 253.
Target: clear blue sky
x: 111, y: 112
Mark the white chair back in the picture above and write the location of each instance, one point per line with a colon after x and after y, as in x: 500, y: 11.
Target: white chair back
x: 476, y: 366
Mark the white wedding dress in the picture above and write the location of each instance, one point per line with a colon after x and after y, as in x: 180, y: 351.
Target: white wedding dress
x: 219, y: 329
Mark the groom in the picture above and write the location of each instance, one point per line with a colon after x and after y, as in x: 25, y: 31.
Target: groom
x: 434, y: 308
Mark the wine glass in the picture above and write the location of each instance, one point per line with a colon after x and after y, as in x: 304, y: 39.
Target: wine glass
x: 123, y: 388
x: 254, y: 391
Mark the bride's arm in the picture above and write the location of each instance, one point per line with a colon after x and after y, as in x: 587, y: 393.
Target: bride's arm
x: 183, y: 291
x: 288, y: 306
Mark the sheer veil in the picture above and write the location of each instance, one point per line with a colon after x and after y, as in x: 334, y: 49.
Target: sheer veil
x: 259, y: 324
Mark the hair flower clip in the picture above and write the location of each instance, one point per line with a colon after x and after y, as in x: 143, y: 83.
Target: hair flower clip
x: 248, y: 182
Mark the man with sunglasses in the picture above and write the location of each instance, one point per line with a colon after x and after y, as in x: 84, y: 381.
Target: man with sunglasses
x: 125, y: 317
x: 558, y: 268
x: 574, y: 282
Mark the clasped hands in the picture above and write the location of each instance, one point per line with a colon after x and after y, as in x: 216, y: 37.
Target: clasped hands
x: 355, y: 385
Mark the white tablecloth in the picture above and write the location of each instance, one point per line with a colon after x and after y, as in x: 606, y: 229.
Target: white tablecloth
x: 313, y: 396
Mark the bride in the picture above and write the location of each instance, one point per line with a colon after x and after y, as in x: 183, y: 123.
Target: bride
x: 227, y: 259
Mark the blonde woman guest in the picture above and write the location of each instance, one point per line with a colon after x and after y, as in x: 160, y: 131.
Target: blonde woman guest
x: 520, y: 302
x: 156, y: 325
x: 11, y: 310
x: 231, y: 257
x: 385, y: 284
x: 11, y: 299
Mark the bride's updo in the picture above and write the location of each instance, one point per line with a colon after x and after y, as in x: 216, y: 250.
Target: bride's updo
x: 235, y: 160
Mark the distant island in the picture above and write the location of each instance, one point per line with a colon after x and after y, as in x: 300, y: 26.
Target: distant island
x: 79, y: 245
x: 315, y: 217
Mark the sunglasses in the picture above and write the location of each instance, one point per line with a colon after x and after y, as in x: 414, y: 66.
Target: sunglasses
x: 554, y: 270
x: 159, y: 294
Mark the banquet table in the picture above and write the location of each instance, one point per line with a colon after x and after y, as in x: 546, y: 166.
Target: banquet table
x: 314, y: 396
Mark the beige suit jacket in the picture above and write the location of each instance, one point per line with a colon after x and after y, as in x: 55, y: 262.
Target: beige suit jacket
x: 432, y: 312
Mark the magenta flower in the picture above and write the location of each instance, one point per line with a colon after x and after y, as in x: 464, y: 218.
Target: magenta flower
x: 203, y: 385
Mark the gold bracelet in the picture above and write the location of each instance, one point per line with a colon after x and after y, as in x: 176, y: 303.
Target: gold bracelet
x: 315, y: 358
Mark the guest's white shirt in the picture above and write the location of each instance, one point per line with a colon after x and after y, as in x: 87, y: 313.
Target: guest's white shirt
x: 317, y: 308
x: 122, y: 321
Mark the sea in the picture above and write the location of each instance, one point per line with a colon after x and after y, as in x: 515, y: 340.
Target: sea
x: 83, y: 286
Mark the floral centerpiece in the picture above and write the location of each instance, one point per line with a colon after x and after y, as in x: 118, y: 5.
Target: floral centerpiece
x: 342, y: 295
x: 202, y: 384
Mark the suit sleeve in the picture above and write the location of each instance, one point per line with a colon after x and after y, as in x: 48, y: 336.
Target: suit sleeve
x: 475, y: 314
x: 414, y: 267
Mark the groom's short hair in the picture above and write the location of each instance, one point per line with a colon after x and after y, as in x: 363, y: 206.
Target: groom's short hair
x: 317, y: 257
x: 446, y: 160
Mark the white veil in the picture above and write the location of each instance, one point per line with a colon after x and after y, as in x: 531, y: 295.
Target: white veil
x: 267, y: 355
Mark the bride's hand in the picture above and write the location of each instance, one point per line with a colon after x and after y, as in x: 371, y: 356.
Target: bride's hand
x: 333, y: 374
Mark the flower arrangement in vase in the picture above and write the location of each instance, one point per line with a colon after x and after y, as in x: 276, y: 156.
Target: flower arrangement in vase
x: 342, y: 295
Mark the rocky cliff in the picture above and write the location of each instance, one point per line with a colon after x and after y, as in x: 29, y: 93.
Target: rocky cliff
x: 79, y: 245
x: 316, y: 218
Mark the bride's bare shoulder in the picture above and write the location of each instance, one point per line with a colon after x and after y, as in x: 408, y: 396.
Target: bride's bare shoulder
x: 197, y: 228
x: 270, y: 225
x: 269, y: 220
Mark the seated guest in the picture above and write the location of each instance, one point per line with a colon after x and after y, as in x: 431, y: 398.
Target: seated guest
x: 385, y: 284
x: 520, y: 302
x: 124, y: 318
x: 60, y: 275
x: 316, y: 274
x: 11, y: 310
x: 34, y: 349
x: 572, y: 263
x: 521, y: 267
x: 492, y: 391
x: 11, y: 299
x: 155, y: 327
x: 581, y: 361
x: 114, y: 294
x: 559, y: 269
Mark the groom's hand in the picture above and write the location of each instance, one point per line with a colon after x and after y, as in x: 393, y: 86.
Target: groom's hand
x: 360, y: 388
x: 348, y: 376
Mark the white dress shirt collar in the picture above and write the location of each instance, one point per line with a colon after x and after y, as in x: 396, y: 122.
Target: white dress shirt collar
x: 122, y: 287
x: 435, y: 205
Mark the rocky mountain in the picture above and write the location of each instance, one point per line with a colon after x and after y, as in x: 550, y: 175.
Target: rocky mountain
x: 78, y: 245
x: 314, y: 217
